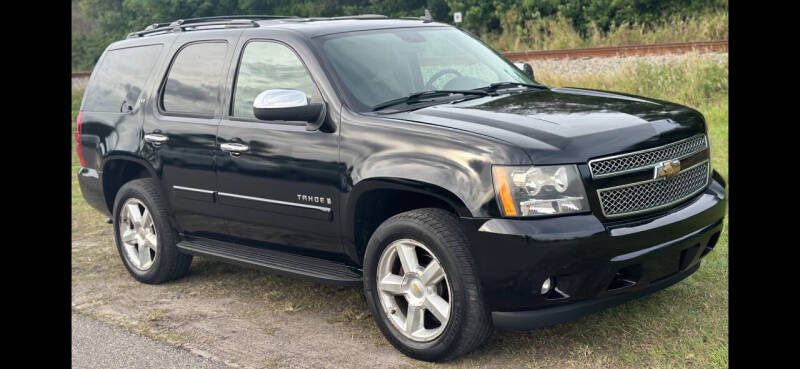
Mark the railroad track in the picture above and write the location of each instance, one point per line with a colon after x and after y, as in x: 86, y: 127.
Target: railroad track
x: 595, y: 52
x: 625, y: 50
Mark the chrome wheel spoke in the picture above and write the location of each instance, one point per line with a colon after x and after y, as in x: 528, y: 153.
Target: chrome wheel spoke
x: 432, y: 274
x: 129, y: 236
x: 151, y: 241
x: 392, y: 283
x: 415, y: 319
x: 134, y: 214
x: 147, y: 220
x: 408, y: 257
x: 144, y: 254
x: 438, y: 307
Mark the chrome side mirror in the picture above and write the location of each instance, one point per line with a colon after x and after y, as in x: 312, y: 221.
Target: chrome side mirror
x: 286, y: 105
x: 525, y: 68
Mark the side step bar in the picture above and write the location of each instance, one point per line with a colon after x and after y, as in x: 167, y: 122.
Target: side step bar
x: 300, y: 266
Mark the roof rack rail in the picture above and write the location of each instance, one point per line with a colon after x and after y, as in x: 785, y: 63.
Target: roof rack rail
x: 229, y: 21
x: 359, y: 16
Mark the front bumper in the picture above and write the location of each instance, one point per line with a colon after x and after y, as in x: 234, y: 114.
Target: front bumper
x: 595, y: 265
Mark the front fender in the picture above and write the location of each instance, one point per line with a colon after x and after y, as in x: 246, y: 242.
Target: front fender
x: 455, y: 161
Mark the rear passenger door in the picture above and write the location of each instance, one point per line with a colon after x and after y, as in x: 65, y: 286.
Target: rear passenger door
x: 180, y: 134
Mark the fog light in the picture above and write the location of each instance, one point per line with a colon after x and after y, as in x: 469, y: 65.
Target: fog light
x: 546, y: 286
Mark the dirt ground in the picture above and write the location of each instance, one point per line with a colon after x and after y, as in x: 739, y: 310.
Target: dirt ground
x: 253, y: 319
x: 202, y: 314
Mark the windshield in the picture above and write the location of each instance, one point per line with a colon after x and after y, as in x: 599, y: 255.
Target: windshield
x: 374, y: 67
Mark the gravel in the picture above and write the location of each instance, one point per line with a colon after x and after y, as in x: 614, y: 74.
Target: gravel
x: 80, y: 82
x: 612, y: 64
x: 99, y: 345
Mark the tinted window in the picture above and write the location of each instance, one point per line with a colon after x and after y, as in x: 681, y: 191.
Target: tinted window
x: 266, y: 66
x: 193, y: 81
x: 382, y: 65
x: 120, y: 78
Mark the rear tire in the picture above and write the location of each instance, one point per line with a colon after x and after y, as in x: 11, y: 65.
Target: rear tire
x: 145, y: 239
x: 435, y: 232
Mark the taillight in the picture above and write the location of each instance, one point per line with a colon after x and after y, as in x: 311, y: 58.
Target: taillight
x: 78, y: 146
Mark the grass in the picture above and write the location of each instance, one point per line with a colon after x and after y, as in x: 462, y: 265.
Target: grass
x: 556, y: 32
x: 685, y: 325
x: 84, y: 217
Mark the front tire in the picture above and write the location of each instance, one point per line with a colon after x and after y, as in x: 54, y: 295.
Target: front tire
x: 145, y: 239
x: 422, y: 288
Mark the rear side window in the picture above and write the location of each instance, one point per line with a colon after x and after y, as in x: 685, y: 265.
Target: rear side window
x: 119, y: 78
x: 192, y: 85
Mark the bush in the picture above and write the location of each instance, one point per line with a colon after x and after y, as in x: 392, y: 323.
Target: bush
x: 557, y: 32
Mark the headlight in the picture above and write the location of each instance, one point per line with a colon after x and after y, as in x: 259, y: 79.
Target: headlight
x: 539, y: 190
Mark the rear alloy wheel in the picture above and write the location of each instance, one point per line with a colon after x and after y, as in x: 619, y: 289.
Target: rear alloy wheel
x: 145, y: 239
x: 138, y: 234
x: 416, y: 297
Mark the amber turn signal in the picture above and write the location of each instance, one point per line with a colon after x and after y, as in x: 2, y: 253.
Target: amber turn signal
x: 501, y: 180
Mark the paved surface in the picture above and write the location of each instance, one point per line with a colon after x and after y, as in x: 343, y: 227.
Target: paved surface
x: 98, y: 345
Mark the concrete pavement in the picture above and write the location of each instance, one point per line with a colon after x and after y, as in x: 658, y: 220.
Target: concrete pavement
x: 99, y: 345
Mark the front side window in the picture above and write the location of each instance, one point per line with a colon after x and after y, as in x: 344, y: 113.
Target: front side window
x: 382, y: 65
x: 265, y: 66
x: 192, y: 85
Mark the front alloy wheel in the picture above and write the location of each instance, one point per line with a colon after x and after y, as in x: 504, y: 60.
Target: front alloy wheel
x: 416, y: 297
x: 422, y: 286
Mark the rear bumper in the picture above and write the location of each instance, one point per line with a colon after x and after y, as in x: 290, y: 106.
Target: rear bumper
x: 92, y: 189
x: 593, y: 264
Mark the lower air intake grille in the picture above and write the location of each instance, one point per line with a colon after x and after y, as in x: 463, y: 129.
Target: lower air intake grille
x: 653, y: 195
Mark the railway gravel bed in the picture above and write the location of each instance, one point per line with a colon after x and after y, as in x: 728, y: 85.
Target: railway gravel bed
x: 603, y: 65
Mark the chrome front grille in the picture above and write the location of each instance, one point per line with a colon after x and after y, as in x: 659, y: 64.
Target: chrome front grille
x: 624, y: 163
x: 654, y: 194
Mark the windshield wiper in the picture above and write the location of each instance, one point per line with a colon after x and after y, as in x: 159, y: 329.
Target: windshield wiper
x: 500, y: 85
x: 416, y: 97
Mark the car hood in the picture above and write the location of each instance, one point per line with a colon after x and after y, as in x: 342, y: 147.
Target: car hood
x: 567, y: 125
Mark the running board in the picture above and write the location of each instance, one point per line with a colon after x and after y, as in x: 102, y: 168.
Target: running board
x: 293, y: 265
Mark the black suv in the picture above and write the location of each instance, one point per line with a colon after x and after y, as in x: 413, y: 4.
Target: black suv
x: 403, y: 155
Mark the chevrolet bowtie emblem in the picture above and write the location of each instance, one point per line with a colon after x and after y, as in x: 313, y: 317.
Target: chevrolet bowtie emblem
x: 667, y: 169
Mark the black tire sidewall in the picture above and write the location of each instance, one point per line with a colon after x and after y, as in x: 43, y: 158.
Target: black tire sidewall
x: 405, y: 228
x: 164, y: 232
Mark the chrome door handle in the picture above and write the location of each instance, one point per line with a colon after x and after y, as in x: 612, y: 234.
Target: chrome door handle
x: 155, y: 138
x: 234, y: 148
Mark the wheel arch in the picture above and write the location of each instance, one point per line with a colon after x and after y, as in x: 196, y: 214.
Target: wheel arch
x: 374, y: 200
x: 120, y: 169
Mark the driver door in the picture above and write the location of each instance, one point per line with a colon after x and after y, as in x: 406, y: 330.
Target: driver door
x: 279, y: 186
